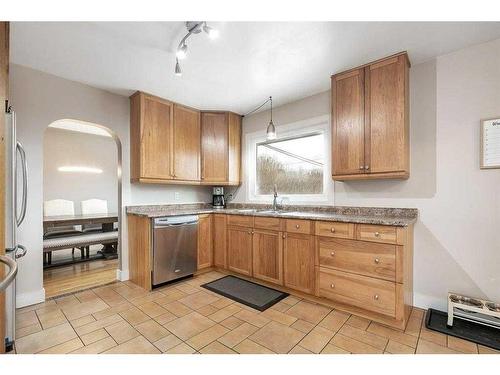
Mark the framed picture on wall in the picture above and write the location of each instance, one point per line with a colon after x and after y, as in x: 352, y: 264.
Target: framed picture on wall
x: 490, y: 143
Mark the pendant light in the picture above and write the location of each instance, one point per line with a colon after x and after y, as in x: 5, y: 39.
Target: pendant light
x: 271, y: 129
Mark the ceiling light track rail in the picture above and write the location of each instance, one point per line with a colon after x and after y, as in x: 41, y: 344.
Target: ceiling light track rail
x: 193, y: 27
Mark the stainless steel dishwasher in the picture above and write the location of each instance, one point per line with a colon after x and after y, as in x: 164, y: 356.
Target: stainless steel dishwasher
x: 175, y: 242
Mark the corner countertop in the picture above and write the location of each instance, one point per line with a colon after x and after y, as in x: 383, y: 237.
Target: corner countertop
x: 401, y: 217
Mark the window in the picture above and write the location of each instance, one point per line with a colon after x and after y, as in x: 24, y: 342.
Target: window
x: 294, y: 165
x: 297, y: 163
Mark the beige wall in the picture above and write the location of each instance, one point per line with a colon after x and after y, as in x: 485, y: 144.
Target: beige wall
x: 68, y: 148
x: 40, y: 99
x: 457, y: 237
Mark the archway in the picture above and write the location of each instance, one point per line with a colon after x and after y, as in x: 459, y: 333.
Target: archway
x: 94, y: 143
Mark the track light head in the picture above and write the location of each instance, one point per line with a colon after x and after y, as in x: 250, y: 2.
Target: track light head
x: 181, y: 51
x: 211, y: 32
x: 178, y: 71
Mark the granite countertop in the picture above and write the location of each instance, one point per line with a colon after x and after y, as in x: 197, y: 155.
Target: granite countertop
x: 361, y: 215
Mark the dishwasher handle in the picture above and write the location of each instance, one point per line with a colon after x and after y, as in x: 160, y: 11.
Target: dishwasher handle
x: 175, y: 221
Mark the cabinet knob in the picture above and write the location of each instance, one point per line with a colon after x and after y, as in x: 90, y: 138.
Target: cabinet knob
x: 332, y: 253
x: 377, y: 234
x: 377, y: 261
x: 361, y: 167
x: 332, y: 286
x: 297, y: 226
x: 332, y: 230
x: 249, y: 232
x: 367, y: 167
x: 284, y: 236
x: 375, y: 297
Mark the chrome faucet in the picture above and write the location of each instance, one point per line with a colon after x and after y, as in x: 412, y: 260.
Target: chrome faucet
x: 275, y: 203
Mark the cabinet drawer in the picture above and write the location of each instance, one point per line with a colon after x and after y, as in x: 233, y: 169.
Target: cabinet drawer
x: 361, y: 291
x: 272, y: 223
x: 240, y: 220
x: 298, y: 226
x: 334, y: 229
x: 364, y: 258
x: 376, y: 233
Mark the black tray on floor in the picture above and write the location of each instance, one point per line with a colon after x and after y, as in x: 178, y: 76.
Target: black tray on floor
x: 475, y: 332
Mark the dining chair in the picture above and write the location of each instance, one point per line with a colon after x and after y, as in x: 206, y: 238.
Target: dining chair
x: 60, y: 207
x: 93, y: 207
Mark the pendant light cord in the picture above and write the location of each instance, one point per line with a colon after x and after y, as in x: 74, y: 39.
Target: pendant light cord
x: 270, y: 99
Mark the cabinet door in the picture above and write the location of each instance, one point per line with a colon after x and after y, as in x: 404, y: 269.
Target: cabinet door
x: 299, y: 262
x: 205, y: 241
x: 186, y: 140
x: 239, y: 250
x: 386, y: 116
x: 152, y: 119
x: 348, y: 133
x: 214, y: 147
x: 220, y: 241
x: 268, y: 256
x: 234, y: 158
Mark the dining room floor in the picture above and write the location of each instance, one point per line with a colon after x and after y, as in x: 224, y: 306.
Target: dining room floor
x: 77, y: 276
x: 186, y: 318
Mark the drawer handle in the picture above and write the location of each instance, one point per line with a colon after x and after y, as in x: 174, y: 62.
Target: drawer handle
x: 332, y: 286
x: 332, y: 230
x: 377, y: 261
x: 297, y: 226
x: 377, y: 234
x: 375, y: 297
x: 332, y: 253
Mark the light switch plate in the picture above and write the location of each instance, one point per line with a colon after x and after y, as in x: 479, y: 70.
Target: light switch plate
x: 177, y: 195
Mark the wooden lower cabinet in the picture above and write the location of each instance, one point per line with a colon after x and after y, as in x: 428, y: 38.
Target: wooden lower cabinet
x: 219, y: 241
x: 239, y: 250
x: 360, y: 291
x: 268, y: 255
x: 299, y: 262
x: 205, y: 241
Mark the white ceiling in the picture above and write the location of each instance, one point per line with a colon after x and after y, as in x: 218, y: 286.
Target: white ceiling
x: 247, y: 63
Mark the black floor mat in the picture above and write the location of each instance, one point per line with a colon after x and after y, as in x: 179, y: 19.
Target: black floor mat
x: 475, y: 332
x: 246, y: 292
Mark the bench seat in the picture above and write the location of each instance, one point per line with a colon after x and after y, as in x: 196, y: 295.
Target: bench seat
x: 57, y: 243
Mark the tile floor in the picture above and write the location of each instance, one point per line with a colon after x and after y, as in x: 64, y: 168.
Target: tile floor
x: 185, y: 318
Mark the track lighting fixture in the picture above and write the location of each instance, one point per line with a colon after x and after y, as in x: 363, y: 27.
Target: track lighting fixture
x: 181, y: 52
x: 193, y: 27
x: 178, y: 71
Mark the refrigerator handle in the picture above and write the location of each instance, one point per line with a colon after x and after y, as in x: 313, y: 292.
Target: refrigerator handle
x: 24, y: 165
x: 24, y: 251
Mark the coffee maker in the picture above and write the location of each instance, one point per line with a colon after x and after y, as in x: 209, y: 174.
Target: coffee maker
x: 218, y: 200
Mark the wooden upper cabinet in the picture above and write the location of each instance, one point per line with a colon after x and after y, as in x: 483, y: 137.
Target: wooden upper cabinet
x: 220, y: 148
x: 370, y: 121
x: 186, y: 143
x: 174, y: 144
x: 348, y: 105
x: 387, y: 116
x: 214, y: 147
x: 151, y: 122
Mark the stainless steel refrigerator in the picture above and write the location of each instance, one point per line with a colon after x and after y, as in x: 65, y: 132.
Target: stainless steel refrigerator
x: 16, y: 194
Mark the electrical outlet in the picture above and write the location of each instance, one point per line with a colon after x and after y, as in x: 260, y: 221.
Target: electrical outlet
x: 177, y: 195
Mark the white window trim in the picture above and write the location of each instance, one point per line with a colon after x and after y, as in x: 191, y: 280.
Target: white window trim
x: 295, y: 129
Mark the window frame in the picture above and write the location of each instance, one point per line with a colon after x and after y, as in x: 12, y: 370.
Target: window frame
x: 315, y: 125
